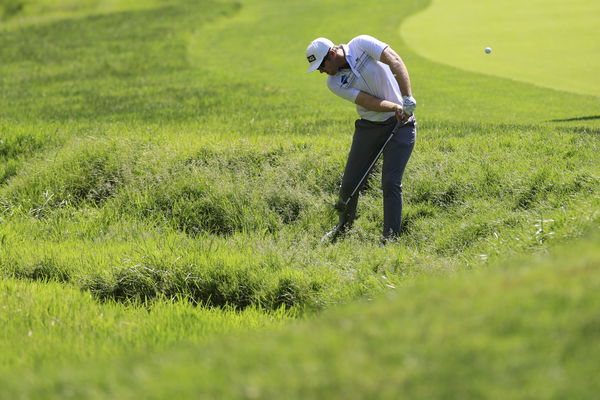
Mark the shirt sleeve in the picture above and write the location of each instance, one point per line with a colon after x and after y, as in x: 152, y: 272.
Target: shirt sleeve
x: 373, y: 47
x: 348, y: 93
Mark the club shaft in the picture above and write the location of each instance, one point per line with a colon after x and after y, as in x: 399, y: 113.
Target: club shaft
x: 362, y: 180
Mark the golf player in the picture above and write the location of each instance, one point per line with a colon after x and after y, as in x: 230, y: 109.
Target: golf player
x: 370, y: 74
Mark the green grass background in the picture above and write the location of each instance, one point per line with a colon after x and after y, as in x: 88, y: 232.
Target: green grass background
x: 540, y: 42
x: 168, y: 168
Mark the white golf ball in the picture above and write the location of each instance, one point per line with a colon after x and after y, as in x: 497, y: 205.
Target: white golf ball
x: 488, y: 50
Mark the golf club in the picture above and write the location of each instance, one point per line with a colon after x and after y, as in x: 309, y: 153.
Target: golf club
x: 342, y: 206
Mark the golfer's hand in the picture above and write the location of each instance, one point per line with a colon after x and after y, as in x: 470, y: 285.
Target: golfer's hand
x: 400, y: 114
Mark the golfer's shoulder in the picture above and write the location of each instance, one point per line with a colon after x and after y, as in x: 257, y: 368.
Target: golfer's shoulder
x: 366, y: 44
x: 362, y: 40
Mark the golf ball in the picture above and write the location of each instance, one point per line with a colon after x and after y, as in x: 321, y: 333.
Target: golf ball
x: 488, y: 50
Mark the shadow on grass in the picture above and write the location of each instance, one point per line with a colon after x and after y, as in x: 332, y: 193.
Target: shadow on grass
x: 590, y: 117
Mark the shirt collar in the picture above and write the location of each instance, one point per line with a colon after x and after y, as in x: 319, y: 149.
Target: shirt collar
x: 350, y: 59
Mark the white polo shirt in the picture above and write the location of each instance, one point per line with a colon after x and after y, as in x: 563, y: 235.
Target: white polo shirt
x: 366, y: 74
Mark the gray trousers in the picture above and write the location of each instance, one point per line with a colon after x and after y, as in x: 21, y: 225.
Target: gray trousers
x: 367, y: 141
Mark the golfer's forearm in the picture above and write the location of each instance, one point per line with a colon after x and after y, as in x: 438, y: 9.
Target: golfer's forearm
x: 393, y: 60
x: 373, y: 103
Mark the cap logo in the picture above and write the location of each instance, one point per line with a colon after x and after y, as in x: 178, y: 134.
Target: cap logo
x: 311, y: 58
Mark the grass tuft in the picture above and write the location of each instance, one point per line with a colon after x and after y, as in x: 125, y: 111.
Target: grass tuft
x: 47, y: 269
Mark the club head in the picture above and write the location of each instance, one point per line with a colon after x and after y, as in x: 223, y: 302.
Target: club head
x: 332, y: 236
x: 338, y: 231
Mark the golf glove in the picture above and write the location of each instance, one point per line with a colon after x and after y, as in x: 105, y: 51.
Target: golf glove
x: 409, y: 104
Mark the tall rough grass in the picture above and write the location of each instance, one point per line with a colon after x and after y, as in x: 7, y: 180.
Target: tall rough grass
x: 496, y: 334
x: 459, y: 209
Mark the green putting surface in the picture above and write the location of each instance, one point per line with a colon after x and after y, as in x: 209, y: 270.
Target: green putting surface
x: 549, y: 43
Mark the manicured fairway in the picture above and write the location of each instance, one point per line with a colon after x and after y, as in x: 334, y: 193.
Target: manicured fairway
x: 551, y: 43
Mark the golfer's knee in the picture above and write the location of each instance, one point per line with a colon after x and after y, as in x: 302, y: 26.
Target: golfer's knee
x: 391, y: 186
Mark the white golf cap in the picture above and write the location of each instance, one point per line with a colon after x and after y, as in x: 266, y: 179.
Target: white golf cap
x: 316, y: 52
